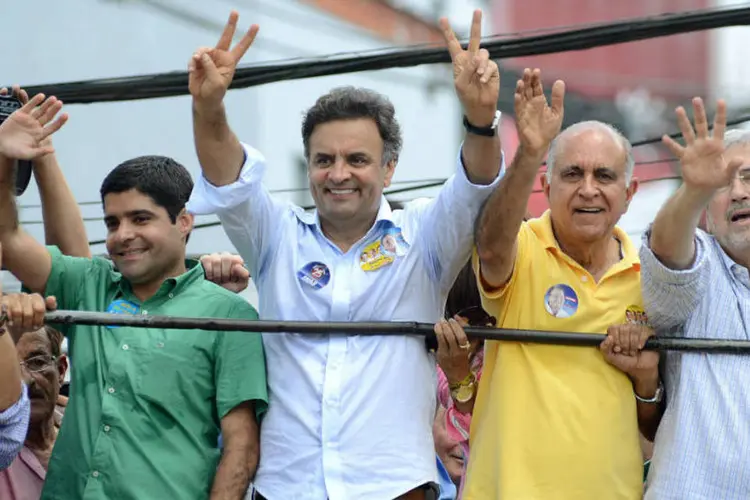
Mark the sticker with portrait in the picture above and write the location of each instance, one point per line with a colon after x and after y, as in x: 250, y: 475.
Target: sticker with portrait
x: 372, y: 258
x: 561, y: 301
x: 636, y: 315
x: 393, y: 244
x: 314, y: 274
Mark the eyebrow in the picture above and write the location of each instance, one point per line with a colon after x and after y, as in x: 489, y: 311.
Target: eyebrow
x: 130, y: 214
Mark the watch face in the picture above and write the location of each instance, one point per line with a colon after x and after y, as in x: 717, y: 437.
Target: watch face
x: 464, y: 393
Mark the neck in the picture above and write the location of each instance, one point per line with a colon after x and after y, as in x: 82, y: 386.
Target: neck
x: 145, y: 291
x: 41, y: 437
x: 595, y: 257
x: 740, y: 256
x: 345, y: 234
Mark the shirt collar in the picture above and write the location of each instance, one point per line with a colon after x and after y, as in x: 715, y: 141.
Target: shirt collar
x: 543, y: 229
x: 312, y: 218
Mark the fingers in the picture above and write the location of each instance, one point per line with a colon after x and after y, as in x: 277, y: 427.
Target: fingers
x: 209, y: 66
x: 528, y: 91
x: 47, y: 111
x: 33, y: 103
x: 720, y: 120
x: 51, y: 129
x: 225, y: 41
x: 51, y: 303
x: 558, y: 97
x: 699, y: 113
x: 4, y: 91
x: 454, y: 47
x: 20, y: 94
x: 684, y: 124
x: 239, y: 50
x: 458, y: 334
x: 475, y: 39
x: 675, y: 147
x: 440, y: 335
x: 195, y: 61
x: 25, y: 311
x: 536, y: 83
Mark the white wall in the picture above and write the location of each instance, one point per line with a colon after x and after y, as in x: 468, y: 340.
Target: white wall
x: 111, y: 38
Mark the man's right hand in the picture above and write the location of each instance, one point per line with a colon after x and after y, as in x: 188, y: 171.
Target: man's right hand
x: 226, y: 270
x: 25, y: 312
x: 23, y: 133
x: 704, y: 169
x: 211, y: 69
x: 537, y: 123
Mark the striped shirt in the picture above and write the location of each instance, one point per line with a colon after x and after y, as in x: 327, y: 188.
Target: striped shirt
x: 13, y: 425
x: 702, y: 447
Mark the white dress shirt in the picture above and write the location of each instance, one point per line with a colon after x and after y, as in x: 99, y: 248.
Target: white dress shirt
x: 350, y: 417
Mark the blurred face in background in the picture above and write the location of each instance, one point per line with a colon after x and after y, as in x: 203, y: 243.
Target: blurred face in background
x: 448, y: 449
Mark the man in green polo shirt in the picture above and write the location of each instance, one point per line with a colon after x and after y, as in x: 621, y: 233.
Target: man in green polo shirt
x: 146, y: 405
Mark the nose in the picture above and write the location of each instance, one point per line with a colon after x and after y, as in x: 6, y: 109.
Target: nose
x: 339, y: 172
x: 738, y: 190
x: 589, y: 187
x: 125, y: 232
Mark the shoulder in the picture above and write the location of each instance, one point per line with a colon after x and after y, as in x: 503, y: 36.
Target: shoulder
x: 226, y: 302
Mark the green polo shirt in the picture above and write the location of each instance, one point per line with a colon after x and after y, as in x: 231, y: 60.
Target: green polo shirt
x: 145, y: 405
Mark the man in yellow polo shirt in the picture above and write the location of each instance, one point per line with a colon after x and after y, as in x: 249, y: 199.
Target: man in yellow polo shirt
x: 554, y: 422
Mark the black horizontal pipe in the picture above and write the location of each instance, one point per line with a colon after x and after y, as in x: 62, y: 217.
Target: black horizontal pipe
x: 714, y: 346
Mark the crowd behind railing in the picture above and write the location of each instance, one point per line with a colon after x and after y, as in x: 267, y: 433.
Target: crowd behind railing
x: 183, y: 414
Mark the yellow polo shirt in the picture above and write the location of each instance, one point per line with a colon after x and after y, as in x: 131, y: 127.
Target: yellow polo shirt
x: 555, y: 422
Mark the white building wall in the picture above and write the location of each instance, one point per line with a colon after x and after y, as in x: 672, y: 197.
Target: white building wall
x: 113, y: 38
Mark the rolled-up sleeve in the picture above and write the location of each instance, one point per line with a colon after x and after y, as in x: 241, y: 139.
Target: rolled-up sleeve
x: 14, y: 422
x: 671, y: 295
x: 447, y: 222
x: 246, y: 209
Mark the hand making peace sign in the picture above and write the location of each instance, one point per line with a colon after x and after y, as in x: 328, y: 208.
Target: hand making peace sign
x: 476, y: 77
x: 211, y: 69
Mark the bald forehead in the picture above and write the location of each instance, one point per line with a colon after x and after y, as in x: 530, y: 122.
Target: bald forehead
x: 592, y: 145
x: 739, y: 150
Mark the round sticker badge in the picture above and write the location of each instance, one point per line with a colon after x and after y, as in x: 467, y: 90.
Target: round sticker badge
x: 636, y: 315
x: 393, y: 244
x: 122, y: 306
x: 314, y: 274
x: 561, y: 301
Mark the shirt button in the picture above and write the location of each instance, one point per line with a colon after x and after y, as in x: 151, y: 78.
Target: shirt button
x: 125, y: 347
x: 171, y: 295
x: 106, y: 428
x: 584, y: 279
x: 160, y: 344
x: 111, y: 390
x: 95, y: 473
x: 144, y: 312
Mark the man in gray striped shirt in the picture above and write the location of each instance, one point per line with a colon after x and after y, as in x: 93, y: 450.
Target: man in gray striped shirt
x: 697, y: 285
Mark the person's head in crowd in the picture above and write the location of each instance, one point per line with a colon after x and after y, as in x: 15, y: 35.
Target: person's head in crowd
x: 728, y: 213
x: 352, y: 142
x: 43, y: 367
x: 448, y: 449
x: 465, y: 302
x: 589, y: 182
x: 147, y: 224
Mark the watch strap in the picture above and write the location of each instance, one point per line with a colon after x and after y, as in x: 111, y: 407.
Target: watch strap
x: 490, y: 131
x: 658, y: 395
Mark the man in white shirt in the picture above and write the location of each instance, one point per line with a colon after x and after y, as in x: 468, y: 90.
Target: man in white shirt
x: 349, y: 416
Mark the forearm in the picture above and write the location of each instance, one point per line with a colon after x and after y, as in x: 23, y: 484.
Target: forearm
x: 219, y: 151
x: 63, y: 223
x: 482, y: 157
x: 236, y: 470
x: 649, y: 414
x: 10, y: 373
x: 502, y: 215
x: 673, y: 232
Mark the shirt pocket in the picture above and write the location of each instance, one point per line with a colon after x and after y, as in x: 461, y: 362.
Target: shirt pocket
x: 175, y: 373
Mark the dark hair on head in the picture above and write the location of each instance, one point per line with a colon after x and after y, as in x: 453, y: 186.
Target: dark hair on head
x: 162, y: 179
x: 349, y: 103
x: 55, y: 340
x: 464, y: 293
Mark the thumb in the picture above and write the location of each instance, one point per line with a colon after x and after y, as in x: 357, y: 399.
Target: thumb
x: 51, y: 303
x: 212, y: 72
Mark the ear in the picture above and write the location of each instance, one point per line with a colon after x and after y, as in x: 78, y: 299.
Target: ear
x: 62, y: 367
x: 632, y: 189
x: 545, y: 185
x: 185, y: 222
x: 390, y: 169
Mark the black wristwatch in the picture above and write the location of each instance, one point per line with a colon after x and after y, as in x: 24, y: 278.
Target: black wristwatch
x: 490, y: 131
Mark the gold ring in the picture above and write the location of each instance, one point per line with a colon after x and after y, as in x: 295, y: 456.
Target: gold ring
x: 465, y: 346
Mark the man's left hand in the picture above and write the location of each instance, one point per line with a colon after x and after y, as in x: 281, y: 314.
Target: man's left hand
x: 623, y: 348
x: 476, y: 77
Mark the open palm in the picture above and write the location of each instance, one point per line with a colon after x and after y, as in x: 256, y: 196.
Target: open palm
x: 211, y: 69
x: 23, y: 133
x: 537, y: 123
x: 702, y: 160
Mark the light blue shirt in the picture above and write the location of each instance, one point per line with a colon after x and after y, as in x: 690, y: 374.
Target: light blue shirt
x: 349, y: 416
x: 448, y: 489
x: 702, y: 446
x: 14, y: 422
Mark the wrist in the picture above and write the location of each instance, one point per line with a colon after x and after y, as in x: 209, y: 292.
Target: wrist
x: 694, y: 199
x: 532, y: 153
x: 457, y: 378
x: 646, y: 385
x: 481, y: 118
x: 209, y: 111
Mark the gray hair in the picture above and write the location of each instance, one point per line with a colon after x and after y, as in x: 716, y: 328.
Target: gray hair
x: 579, y: 127
x: 349, y: 103
x: 736, y: 137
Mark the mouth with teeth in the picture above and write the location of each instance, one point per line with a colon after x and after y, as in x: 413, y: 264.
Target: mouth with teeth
x: 740, y: 215
x: 341, y: 192
x: 589, y: 210
x: 131, y: 254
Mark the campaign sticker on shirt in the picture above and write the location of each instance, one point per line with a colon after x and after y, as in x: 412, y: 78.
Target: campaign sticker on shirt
x: 373, y: 258
x: 561, y: 301
x: 393, y: 244
x: 636, y: 315
x: 314, y: 274
x: 122, y: 306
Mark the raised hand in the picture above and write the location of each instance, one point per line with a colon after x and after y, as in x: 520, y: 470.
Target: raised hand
x: 211, y: 69
x: 23, y: 133
x: 703, y: 166
x: 226, y: 270
x: 476, y: 77
x: 537, y: 123
x: 23, y: 96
